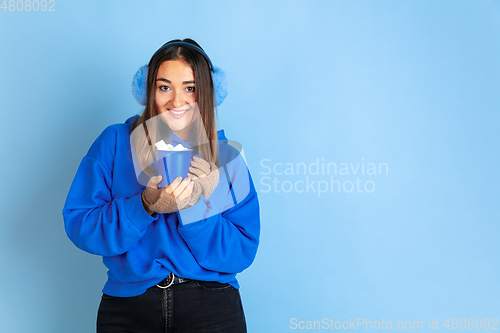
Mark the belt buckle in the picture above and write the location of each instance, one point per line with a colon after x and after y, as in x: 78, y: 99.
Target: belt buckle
x: 171, y: 282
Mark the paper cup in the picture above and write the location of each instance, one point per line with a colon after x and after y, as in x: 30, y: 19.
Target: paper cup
x: 173, y: 164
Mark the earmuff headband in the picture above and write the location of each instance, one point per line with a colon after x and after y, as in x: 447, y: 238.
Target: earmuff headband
x: 192, y: 46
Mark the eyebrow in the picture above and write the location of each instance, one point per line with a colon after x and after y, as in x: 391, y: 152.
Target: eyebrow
x: 168, y: 81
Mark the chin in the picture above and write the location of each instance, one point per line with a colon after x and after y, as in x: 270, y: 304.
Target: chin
x: 174, y: 124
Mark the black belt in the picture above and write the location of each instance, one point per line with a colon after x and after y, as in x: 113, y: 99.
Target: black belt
x: 170, y: 280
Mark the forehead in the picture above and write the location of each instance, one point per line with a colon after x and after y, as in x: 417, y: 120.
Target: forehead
x: 175, y: 70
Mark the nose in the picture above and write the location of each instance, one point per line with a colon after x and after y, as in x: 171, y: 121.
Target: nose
x: 177, y: 99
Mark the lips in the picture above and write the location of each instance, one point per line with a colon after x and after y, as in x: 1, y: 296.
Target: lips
x: 178, y: 114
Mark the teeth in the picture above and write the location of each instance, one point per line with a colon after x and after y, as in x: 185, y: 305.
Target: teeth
x: 177, y: 112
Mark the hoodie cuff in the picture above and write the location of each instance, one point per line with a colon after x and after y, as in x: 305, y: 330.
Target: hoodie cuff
x: 137, y: 214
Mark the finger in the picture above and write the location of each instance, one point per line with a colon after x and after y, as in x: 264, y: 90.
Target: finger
x: 191, y: 176
x: 154, y: 181
x: 181, y: 187
x: 187, y: 191
x: 197, y: 172
x: 202, y: 165
x: 200, y: 168
x: 171, y: 188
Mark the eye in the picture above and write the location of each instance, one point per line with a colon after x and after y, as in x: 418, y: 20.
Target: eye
x: 190, y: 89
x: 163, y: 88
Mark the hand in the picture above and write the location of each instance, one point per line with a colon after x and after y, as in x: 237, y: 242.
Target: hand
x: 199, y: 167
x: 180, y: 189
x: 205, y: 175
x: 175, y: 196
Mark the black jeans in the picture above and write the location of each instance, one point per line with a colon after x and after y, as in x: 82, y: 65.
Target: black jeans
x: 194, y: 306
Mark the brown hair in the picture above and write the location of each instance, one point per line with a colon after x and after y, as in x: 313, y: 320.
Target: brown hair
x: 203, y: 128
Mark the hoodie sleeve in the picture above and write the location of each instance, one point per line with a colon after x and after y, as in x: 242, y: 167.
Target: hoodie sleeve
x: 223, y: 231
x: 95, y: 221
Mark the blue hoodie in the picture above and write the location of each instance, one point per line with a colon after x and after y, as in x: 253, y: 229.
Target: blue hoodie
x: 211, y: 241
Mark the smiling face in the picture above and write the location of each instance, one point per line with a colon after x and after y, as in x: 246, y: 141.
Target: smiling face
x: 175, y: 97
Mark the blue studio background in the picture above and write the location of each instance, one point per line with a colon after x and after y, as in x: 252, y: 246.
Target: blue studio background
x: 371, y: 129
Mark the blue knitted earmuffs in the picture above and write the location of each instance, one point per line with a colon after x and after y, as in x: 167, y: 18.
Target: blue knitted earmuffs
x: 139, y: 83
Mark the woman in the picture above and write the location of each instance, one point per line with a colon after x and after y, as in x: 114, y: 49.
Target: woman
x: 172, y: 252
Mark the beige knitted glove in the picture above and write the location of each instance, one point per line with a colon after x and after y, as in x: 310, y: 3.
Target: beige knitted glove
x: 205, y: 176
